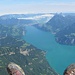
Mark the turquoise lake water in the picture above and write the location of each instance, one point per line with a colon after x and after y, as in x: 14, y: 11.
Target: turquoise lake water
x: 58, y: 56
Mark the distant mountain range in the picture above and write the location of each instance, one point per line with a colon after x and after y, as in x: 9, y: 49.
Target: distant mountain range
x: 26, y: 18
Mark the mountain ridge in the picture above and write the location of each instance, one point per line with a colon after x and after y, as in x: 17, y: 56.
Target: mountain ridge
x: 60, y: 24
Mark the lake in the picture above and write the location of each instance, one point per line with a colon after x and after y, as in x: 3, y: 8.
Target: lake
x: 59, y: 56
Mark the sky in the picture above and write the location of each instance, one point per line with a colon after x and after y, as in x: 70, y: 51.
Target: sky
x: 36, y: 6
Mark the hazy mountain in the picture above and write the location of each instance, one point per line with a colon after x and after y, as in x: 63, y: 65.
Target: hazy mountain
x: 9, y: 16
x: 35, y: 18
x: 62, y: 26
x: 14, y: 21
x: 60, y: 21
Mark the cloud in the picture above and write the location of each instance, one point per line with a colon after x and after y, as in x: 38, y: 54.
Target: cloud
x: 37, y: 8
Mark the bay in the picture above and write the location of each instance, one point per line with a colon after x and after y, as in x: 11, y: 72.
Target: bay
x: 59, y: 56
